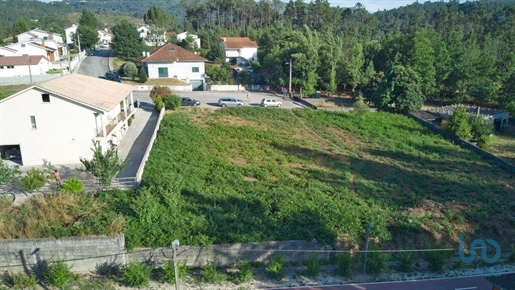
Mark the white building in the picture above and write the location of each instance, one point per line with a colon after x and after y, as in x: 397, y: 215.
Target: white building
x: 104, y: 37
x: 58, y: 120
x: 34, y: 34
x: 11, y: 66
x: 183, y: 35
x: 239, y: 50
x: 152, y: 36
x: 172, y: 61
x: 30, y: 48
x: 69, y: 32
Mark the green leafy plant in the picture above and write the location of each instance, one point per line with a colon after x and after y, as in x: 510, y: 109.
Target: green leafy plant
x: 23, y: 281
x: 142, y: 75
x: 481, y: 130
x: 275, y: 266
x: 313, y: 267
x: 436, y: 260
x: 130, y: 70
x: 136, y: 275
x: 344, y: 264
x: 34, y: 179
x: 72, y: 186
x: 58, y: 274
x: 210, y: 274
x: 159, y: 104
x: 8, y: 173
x: 169, y: 271
x: 172, y: 102
x: 244, y: 273
x: 104, y: 165
x: 406, y: 261
x: 459, y: 123
x: 376, y: 261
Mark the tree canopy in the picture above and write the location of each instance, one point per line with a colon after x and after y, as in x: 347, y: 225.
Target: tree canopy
x: 126, y: 41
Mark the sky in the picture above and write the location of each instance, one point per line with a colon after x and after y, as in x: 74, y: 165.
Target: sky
x: 375, y: 5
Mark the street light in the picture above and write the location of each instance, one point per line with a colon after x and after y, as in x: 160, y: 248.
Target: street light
x: 369, y: 226
x: 175, y: 248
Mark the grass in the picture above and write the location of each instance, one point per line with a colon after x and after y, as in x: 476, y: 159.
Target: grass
x: 251, y: 174
x: 6, y: 91
x: 503, y: 144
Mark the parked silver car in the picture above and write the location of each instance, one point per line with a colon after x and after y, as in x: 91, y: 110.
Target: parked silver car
x: 227, y: 102
x: 270, y: 103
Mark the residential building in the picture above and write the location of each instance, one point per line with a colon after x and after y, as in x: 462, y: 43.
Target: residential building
x: 30, y: 48
x: 34, y: 34
x: 11, y: 66
x: 57, y: 121
x: 152, y: 36
x: 183, y: 35
x: 69, y: 32
x: 173, y: 61
x: 240, y: 51
x: 104, y: 37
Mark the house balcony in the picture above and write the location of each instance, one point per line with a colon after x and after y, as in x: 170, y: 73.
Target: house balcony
x: 116, y: 122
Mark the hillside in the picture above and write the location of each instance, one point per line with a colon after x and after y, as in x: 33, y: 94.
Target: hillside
x: 252, y: 174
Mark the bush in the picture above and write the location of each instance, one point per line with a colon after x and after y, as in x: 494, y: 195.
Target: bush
x: 34, y: 179
x: 360, y: 106
x: 481, y: 129
x: 72, y: 186
x: 159, y: 91
x: 376, y: 262
x: 275, y: 266
x: 59, y: 274
x: 136, y: 275
x: 142, y: 75
x: 211, y: 275
x: 244, y: 273
x: 313, y: 267
x: 8, y: 173
x: 436, y: 260
x: 22, y: 281
x: 172, y: 102
x: 344, y: 264
x: 169, y: 271
x: 459, y: 124
x: 130, y: 70
x: 159, y: 103
x: 406, y: 261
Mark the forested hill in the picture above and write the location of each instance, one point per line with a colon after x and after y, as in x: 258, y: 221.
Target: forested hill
x: 134, y: 8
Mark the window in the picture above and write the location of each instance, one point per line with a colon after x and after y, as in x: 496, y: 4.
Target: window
x: 163, y: 72
x: 1, y: 67
x: 10, y: 66
x: 33, y: 122
x: 46, y: 98
x: 23, y: 45
x: 195, y: 69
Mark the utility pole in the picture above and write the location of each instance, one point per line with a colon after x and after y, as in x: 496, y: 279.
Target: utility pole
x: 289, y: 85
x: 30, y: 70
x: 78, y: 39
x: 175, y: 247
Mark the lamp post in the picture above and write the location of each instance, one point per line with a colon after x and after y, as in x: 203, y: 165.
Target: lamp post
x: 175, y: 248
x: 369, y: 226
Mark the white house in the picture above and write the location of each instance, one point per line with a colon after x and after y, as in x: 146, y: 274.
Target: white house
x: 183, y: 35
x: 7, y: 51
x: 239, y: 50
x: 29, y: 48
x: 58, y: 120
x: 104, y: 37
x: 152, y: 38
x: 38, y: 34
x: 11, y: 66
x: 69, y: 32
x: 172, y: 61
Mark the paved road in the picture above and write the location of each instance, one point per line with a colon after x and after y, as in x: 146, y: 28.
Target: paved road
x: 462, y: 283
x: 97, y: 64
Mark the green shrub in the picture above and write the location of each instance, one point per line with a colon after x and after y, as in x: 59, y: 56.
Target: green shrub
x: 23, y: 281
x: 142, y: 75
x: 313, y: 267
x: 34, y: 179
x: 244, y: 273
x: 344, y: 264
x: 275, y: 266
x: 211, y: 275
x: 376, y: 262
x: 136, y: 275
x: 72, y: 186
x: 459, y: 124
x: 130, y: 70
x: 59, y: 274
x: 406, y: 261
x: 159, y: 103
x: 436, y: 260
x: 172, y: 102
x: 169, y: 271
x: 159, y: 91
x: 481, y: 130
x: 8, y: 173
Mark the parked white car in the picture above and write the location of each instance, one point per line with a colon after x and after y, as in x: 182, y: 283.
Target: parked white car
x: 227, y: 102
x: 270, y: 103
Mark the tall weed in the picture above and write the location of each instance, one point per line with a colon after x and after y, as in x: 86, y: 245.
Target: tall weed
x: 344, y: 264
x: 275, y: 266
x: 58, y: 274
x: 136, y: 275
x: 313, y: 267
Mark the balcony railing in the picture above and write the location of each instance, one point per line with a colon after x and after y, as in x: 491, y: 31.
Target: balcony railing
x: 111, y: 125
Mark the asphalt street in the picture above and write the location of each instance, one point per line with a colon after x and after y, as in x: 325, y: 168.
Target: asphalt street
x: 97, y: 64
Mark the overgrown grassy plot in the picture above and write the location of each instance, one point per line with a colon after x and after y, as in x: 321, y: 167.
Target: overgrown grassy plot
x: 252, y: 174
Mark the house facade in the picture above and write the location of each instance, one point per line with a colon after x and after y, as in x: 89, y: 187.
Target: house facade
x: 69, y: 32
x: 57, y: 121
x: 239, y: 51
x: 11, y: 66
x: 183, y: 35
x: 34, y: 34
x: 173, y: 61
x: 150, y: 36
x: 104, y: 37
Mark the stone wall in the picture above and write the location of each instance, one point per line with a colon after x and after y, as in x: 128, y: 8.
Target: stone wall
x: 83, y: 254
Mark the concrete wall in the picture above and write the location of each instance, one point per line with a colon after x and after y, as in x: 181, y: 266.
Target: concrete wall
x: 83, y: 254
x: 224, y: 255
x: 224, y: 88
x: 186, y: 88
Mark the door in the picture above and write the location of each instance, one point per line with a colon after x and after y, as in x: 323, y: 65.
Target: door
x: 197, y: 85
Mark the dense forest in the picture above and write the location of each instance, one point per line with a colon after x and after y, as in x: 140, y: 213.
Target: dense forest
x: 435, y: 50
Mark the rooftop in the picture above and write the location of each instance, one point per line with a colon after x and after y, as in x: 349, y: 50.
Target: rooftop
x: 170, y: 52
x: 238, y: 42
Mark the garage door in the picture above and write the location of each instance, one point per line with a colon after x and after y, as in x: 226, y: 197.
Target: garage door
x: 197, y: 85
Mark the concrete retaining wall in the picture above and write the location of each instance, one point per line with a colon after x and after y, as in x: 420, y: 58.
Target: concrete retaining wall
x: 225, y: 255
x: 141, y: 168
x: 83, y: 254
x: 224, y: 88
x: 186, y: 88
x: 465, y: 144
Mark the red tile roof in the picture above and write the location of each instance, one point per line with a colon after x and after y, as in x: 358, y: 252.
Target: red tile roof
x: 20, y: 60
x: 237, y: 42
x: 170, y: 52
